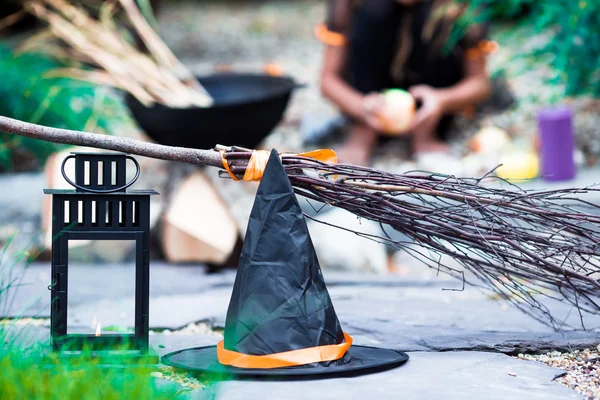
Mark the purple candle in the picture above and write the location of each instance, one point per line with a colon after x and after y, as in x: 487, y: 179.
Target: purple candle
x: 557, y: 144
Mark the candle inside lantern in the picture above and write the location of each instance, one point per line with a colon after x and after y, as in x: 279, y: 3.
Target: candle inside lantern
x: 557, y: 144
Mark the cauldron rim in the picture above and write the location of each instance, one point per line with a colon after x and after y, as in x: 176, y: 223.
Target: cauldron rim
x: 288, y: 85
x: 245, y: 121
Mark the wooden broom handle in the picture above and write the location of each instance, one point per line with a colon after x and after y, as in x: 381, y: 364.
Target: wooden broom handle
x: 210, y: 158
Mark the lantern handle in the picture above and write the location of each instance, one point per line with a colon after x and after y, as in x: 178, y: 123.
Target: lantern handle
x: 83, y: 188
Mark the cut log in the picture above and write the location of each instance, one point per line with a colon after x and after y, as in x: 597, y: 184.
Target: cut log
x: 197, y: 226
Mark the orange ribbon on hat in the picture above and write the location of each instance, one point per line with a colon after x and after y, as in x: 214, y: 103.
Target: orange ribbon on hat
x: 258, y: 162
x: 284, y: 359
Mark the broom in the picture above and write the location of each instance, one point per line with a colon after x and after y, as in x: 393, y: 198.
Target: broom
x: 526, y: 246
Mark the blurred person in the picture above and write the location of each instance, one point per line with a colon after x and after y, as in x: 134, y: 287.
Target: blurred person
x: 374, y: 45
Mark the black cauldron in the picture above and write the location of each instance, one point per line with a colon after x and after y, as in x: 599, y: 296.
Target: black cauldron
x: 246, y: 109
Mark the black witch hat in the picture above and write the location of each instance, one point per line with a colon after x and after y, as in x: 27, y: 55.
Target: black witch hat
x: 281, y: 321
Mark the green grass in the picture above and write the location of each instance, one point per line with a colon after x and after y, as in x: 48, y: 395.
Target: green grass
x: 11, y: 274
x: 28, y: 374
x: 32, y: 372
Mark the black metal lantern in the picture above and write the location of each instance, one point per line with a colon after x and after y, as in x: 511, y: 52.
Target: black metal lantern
x: 100, y: 208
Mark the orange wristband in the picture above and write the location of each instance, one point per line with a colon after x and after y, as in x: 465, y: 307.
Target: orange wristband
x: 328, y: 37
x: 483, y: 47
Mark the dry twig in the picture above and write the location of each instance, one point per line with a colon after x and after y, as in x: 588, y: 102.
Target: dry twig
x: 158, y: 77
x: 11, y: 19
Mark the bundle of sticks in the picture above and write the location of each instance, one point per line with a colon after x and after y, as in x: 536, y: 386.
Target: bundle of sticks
x: 100, y: 43
x: 526, y: 246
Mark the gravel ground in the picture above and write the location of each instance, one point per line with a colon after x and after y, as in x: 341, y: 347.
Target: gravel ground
x: 582, y: 369
x: 185, y: 379
x: 25, y: 321
x: 199, y: 328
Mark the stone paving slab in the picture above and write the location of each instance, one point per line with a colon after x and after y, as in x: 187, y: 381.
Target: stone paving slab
x: 437, y: 341
x: 448, y: 376
x: 27, y: 335
x: 22, y: 195
x: 414, y: 339
x: 171, y: 312
x: 427, y: 338
x: 371, y: 308
x: 165, y: 344
x: 374, y: 317
x: 97, y: 282
x: 377, y: 310
x: 430, y: 306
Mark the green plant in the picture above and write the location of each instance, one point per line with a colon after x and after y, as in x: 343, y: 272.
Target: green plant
x: 26, y: 93
x: 30, y: 371
x: 30, y: 374
x: 12, y: 268
x: 572, y: 48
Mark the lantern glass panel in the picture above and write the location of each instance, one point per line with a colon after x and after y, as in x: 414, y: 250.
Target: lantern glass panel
x: 94, y: 272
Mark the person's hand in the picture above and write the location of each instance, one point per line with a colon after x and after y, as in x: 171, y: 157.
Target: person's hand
x: 431, y: 112
x: 372, y: 107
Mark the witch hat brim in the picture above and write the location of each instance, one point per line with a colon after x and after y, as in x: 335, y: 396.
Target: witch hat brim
x: 281, y: 320
x: 363, y: 360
